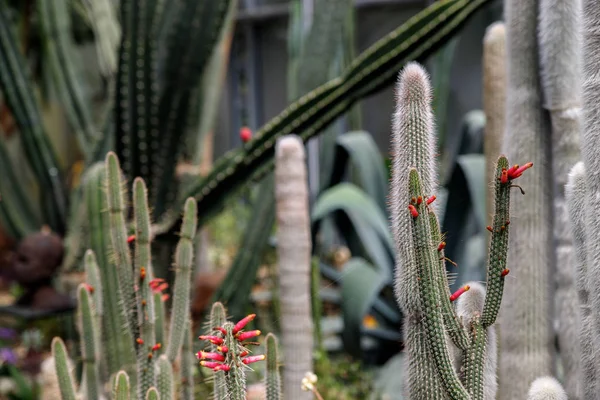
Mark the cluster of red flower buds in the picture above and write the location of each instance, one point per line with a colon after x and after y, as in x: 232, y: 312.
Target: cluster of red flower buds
x: 216, y: 360
x: 157, y: 285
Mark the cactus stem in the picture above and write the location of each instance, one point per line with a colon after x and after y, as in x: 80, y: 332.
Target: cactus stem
x: 459, y: 292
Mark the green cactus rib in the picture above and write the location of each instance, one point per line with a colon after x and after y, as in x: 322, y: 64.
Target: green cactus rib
x: 427, y: 264
x: 184, y: 255
x: 118, y: 341
x: 152, y: 394
x: 183, y: 71
x: 136, y: 97
x: 186, y: 388
x: 373, y: 70
x: 63, y: 373
x: 16, y: 213
x: 273, y: 380
x: 218, y: 317
x: 56, y: 25
x: 235, y: 378
x: 474, y: 361
x: 118, y: 236
x: 19, y: 95
x: 143, y: 274
x: 164, y: 378
x: 498, y: 248
x: 121, y: 388
x: 92, y: 276
x: 453, y: 326
x: 88, y: 331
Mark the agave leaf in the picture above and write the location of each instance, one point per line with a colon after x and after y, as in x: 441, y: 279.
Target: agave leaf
x: 361, y: 284
x: 366, y: 220
x: 360, y: 150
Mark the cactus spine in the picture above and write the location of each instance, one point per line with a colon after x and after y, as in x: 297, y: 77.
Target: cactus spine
x: 526, y: 341
x: 294, y: 248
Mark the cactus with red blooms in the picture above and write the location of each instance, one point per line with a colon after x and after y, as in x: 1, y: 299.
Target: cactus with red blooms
x: 450, y: 353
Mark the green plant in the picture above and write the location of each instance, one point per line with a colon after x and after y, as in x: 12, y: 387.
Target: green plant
x: 432, y: 325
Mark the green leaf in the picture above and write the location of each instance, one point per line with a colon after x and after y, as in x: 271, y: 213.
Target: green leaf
x: 366, y: 218
x: 360, y: 151
x: 361, y: 283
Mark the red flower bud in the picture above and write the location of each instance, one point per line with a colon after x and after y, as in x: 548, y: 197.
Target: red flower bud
x: 519, y: 171
x: 210, y: 356
x: 242, y: 323
x: 139, y: 341
x: 142, y: 273
x: 210, y: 364
x: 413, y: 211
x: 253, y: 359
x: 89, y: 287
x: 223, y: 349
x: 504, y: 272
x: 430, y: 200
x: 157, y: 346
x: 130, y: 238
x: 245, y: 134
x: 419, y: 200
x: 221, y: 367
x: 441, y: 246
x: 504, y: 176
x: 220, y: 329
x: 247, y: 335
x: 459, y: 292
x: 213, y: 339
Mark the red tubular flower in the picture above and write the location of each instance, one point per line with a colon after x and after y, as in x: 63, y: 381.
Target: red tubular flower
x: 222, y: 330
x: 210, y: 356
x: 504, y: 272
x: 130, y: 238
x: 459, y: 292
x: 142, y: 273
x: 157, y: 346
x: 430, y: 200
x: 419, y: 200
x: 223, y: 349
x: 413, y: 211
x: 253, y: 359
x: 155, y: 284
x: 441, y: 246
x: 139, y: 341
x: 247, y: 335
x: 221, y: 367
x: 88, y: 287
x: 504, y: 176
x: 244, y: 353
x: 210, y: 364
x: 242, y: 323
x: 213, y: 339
x: 515, y: 173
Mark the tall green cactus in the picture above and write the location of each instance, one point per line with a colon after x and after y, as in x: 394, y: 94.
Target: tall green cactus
x: 88, y: 331
x: 272, y: 379
x: 294, y: 252
x: 121, y: 388
x: 63, y: 370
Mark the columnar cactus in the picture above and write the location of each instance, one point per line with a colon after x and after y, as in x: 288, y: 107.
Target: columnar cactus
x: 590, y: 346
x: 294, y: 251
x: 560, y: 54
x: 273, y: 379
x: 421, y: 282
x: 526, y: 340
x: 494, y: 100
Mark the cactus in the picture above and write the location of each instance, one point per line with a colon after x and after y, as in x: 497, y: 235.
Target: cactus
x: 546, y: 388
x: 88, y: 330
x: 590, y: 348
x: 121, y: 387
x: 526, y: 342
x: 560, y: 54
x: 272, y: 380
x: 294, y: 250
x: 186, y: 388
x: 63, y: 370
x: 494, y: 99
x: 217, y: 318
x: 421, y: 284
x: 152, y: 394
x: 231, y: 356
x: 164, y: 378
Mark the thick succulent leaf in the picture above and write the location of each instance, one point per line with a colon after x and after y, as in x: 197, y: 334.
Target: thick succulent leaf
x: 19, y: 95
x: 366, y: 218
x: 361, y: 284
x: 373, y: 70
x: 359, y: 151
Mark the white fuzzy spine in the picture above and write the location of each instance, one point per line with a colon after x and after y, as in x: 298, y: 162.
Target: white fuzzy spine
x: 588, y: 339
x: 294, y: 251
x: 560, y: 53
x: 526, y: 339
x: 546, y: 388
